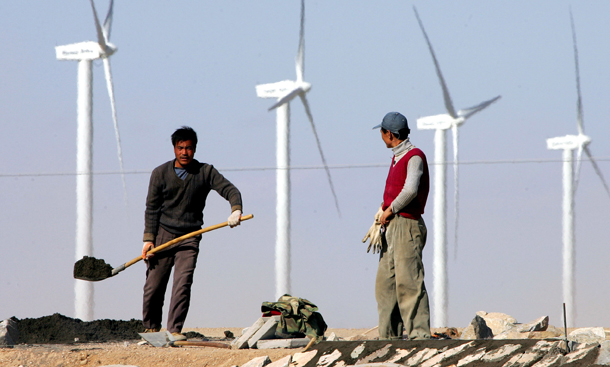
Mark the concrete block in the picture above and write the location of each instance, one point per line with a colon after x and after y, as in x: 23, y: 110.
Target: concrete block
x: 284, y: 362
x: 579, y: 355
x: 301, y: 359
x: 499, y: 353
x: 258, y: 362
x: 478, y: 354
x: 328, y: 359
x: 267, y: 331
x: 437, y: 359
x: 400, y: 354
x: 356, y: 352
x: 604, y: 354
x: 9, y: 334
x: 242, y: 341
x: 379, y: 353
x: 419, y: 357
x: 282, y: 343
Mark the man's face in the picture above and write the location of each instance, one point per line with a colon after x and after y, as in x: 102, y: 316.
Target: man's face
x: 387, y: 138
x: 185, y: 151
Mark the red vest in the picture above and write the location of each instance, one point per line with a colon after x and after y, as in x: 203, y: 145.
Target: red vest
x: 396, y: 181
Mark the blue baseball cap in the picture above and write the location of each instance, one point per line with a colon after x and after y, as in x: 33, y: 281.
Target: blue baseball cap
x: 393, y: 122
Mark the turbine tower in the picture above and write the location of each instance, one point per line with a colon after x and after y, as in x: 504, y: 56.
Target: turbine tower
x: 285, y: 91
x: 568, y: 144
x: 441, y: 123
x: 85, y: 53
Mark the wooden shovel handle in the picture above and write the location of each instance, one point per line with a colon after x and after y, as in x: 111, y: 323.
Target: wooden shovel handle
x: 181, y: 238
x: 200, y: 344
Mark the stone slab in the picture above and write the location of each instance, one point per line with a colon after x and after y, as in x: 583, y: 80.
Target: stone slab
x: 242, y: 341
x: 261, y: 361
x: 282, y: 343
x: 267, y: 331
x: 284, y: 362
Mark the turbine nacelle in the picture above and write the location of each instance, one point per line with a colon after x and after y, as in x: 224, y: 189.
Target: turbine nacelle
x: 439, y: 122
x: 570, y: 142
x: 84, y: 51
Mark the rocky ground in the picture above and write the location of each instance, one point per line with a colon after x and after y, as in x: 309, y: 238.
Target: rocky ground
x: 130, y: 353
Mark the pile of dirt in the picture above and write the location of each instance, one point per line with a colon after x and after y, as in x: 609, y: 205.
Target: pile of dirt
x: 90, y: 268
x: 60, y: 329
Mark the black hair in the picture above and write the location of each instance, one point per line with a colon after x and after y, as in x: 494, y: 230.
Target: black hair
x: 401, y: 135
x: 183, y: 134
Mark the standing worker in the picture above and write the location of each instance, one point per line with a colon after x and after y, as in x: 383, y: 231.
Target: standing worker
x: 399, y: 235
x: 174, y: 207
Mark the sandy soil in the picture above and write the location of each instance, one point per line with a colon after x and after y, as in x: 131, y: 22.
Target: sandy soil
x: 130, y: 353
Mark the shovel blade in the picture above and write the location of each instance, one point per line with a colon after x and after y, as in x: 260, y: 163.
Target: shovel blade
x: 159, y: 339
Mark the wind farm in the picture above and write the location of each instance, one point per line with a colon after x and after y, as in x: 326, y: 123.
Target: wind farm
x: 197, y: 64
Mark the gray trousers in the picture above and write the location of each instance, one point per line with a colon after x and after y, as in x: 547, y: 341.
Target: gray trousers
x: 183, y: 258
x: 402, y: 299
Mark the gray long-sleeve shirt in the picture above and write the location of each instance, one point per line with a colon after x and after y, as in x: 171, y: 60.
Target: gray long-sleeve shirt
x: 177, y: 205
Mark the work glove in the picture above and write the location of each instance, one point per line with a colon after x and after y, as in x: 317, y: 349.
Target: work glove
x: 234, y: 218
x: 147, y: 247
x: 374, y: 234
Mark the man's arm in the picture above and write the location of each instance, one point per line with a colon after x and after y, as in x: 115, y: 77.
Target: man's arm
x: 228, y: 191
x: 415, y: 169
x: 154, y: 201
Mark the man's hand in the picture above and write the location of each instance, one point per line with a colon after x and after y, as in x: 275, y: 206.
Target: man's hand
x: 386, y: 216
x: 374, y: 234
x: 234, y: 218
x: 147, y: 247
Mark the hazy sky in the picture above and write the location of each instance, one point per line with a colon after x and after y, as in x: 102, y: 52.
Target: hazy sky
x: 197, y: 62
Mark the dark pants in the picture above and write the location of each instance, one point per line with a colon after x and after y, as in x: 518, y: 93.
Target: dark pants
x: 183, y: 258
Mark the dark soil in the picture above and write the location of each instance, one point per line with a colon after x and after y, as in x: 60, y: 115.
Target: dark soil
x: 90, y: 268
x: 60, y: 329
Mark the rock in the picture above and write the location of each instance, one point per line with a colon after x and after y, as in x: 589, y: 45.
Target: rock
x: 301, y: 359
x: 498, y: 322
x: 588, y: 335
x: 513, y: 333
x: 604, y: 354
x: 540, y: 324
x: 284, y: 362
x: 332, y: 337
x: 481, y: 330
x: 257, y: 362
x: 9, y: 334
x: 229, y: 334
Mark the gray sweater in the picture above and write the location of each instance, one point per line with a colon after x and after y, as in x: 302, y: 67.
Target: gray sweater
x: 177, y: 205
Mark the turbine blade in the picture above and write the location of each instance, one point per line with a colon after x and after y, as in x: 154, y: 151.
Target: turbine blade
x: 100, y: 34
x: 579, y: 117
x: 287, y: 98
x: 454, y: 130
x: 108, y: 21
x: 300, y: 60
x: 315, y: 133
x: 597, y: 170
x: 110, y: 87
x: 446, y: 96
x: 467, y: 112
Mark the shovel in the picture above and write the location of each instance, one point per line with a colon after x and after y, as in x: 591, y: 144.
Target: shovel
x: 93, y: 270
x: 166, y: 339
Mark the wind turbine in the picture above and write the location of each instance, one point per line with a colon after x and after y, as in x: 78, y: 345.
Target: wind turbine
x: 285, y: 91
x: 85, y: 53
x: 568, y: 144
x: 441, y: 123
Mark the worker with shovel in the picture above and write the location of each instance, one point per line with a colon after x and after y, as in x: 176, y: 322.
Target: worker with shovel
x: 174, y: 206
x: 399, y: 235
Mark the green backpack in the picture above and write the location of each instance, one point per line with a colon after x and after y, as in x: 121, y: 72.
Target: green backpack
x: 299, y: 318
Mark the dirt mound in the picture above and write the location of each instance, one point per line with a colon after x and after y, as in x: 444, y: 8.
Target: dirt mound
x: 92, y: 269
x: 60, y: 329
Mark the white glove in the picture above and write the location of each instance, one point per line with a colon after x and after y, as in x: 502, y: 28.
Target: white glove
x: 374, y: 234
x: 234, y: 218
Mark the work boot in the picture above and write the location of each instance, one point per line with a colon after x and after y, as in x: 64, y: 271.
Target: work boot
x: 152, y: 330
x: 179, y: 336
